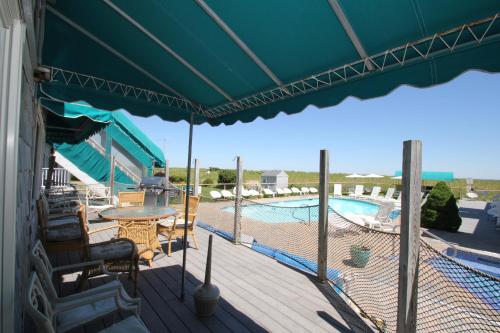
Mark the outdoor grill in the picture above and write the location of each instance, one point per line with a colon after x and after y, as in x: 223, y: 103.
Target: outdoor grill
x: 156, y: 190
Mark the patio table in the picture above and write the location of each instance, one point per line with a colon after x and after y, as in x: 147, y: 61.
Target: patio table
x: 139, y: 225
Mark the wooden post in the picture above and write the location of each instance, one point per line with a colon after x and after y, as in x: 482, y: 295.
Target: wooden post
x: 324, y: 190
x: 167, y: 183
x: 237, y: 201
x: 196, y: 177
x: 111, y: 179
x: 50, y: 171
x: 410, y: 237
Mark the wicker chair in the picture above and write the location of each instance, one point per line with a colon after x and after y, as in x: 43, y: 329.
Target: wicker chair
x: 175, y: 228
x: 63, y: 314
x: 118, y: 255
x: 59, y: 235
x: 128, y: 199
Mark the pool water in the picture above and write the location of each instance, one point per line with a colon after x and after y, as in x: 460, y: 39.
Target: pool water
x: 303, y: 210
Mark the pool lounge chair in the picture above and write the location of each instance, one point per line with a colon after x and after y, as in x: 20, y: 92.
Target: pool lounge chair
x: 390, y: 193
x: 337, y: 190
x: 226, y: 194
x: 267, y: 191
x: 296, y: 191
x: 358, y: 191
x: 287, y: 191
x: 280, y: 192
x: 313, y: 190
x: 253, y: 193
x: 305, y: 190
x: 374, y: 194
x: 215, y: 195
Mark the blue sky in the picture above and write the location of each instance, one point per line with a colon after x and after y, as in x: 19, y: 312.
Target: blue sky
x: 458, y: 123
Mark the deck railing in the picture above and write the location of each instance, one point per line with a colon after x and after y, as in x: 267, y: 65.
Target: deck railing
x: 60, y: 176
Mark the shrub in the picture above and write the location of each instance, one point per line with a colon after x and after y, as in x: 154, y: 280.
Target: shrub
x: 159, y: 174
x: 212, y: 169
x: 177, y: 179
x: 208, y: 181
x: 440, y: 211
x: 227, y: 176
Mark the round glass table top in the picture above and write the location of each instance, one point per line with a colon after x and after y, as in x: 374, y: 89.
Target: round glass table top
x: 137, y: 213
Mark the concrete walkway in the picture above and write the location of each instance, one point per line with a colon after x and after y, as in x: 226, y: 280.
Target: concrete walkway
x: 477, y: 232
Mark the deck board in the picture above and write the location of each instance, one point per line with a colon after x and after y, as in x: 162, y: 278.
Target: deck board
x: 257, y: 293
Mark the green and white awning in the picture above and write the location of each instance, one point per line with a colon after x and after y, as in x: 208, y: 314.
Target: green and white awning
x: 228, y: 61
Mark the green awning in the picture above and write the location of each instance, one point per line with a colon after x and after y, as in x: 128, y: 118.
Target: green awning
x: 228, y: 61
x: 88, y: 121
x: 64, y: 125
x: 433, y: 175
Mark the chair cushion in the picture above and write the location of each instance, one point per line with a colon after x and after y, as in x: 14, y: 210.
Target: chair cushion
x: 69, y: 319
x: 129, y: 324
x: 64, y: 234
x: 64, y: 220
x: 109, y: 251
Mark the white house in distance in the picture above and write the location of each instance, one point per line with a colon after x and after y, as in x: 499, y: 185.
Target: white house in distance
x: 273, y: 179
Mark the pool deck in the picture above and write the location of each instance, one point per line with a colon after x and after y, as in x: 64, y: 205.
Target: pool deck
x: 258, y: 294
x: 477, y: 232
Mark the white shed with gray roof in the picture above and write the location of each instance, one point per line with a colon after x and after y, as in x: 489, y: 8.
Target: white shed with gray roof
x: 274, y: 179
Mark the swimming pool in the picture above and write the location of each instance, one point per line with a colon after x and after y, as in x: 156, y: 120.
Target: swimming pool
x: 303, y: 210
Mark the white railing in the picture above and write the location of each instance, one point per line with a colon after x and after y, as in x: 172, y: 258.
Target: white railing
x: 60, y: 176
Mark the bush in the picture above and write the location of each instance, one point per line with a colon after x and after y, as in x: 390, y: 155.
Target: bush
x: 440, y: 210
x: 212, y: 169
x: 227, y: 176
x: 208, y: 181
x: 177, y: 179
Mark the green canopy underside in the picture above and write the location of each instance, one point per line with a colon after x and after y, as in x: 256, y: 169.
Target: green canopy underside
x: 66, y: 126
x: 292, y: 39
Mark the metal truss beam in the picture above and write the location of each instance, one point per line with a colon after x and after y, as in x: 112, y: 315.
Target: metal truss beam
x: 70, y: 78
x: 467, y: 35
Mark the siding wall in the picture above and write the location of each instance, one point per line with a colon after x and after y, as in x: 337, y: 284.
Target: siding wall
x: 30, y: 160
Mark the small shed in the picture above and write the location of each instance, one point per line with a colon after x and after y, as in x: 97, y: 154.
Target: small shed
x: 274, y: 179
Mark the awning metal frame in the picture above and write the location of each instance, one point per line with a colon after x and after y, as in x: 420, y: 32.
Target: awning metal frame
x: 390, y: 59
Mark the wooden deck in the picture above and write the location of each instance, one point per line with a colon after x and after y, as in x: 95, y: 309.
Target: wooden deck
x: 258, y: 294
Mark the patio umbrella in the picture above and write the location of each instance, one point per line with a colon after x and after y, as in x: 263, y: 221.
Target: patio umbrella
x: 373, y: 175
x: 354, y: 175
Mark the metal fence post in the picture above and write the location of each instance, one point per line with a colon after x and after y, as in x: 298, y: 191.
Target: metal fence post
x: 111, y: 178
x: 410, y: 237
x: 237, y: 201
x: 323, y: 215
x: 167, y: 182
x: 196, y: 192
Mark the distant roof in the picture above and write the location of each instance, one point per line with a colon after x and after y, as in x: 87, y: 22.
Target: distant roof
x: 270, y: 173
x: 433, y: 175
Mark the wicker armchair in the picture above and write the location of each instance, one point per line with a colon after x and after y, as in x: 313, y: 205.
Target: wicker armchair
x: 175, y: 228
x: 128, y: 199
x: 118, y: 255
x: 59, y: 235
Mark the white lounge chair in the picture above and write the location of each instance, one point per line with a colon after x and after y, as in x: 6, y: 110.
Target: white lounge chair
x: 296, y: 191
x: 304, y: 190
x: 253, y: 193
x: 226, y: 194
x: 358, y: 191
x: 280, y: 192
x: 287, y: 191
x: 215, y: 195
x: 374, y: 194
x: 313, y: 190
x: 268, y: 192
x: 337, y: 190
x: 390, y: 193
